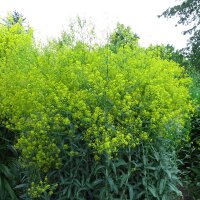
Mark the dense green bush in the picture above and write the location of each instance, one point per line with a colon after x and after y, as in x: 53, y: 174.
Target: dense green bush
x: 93, y: 123
x: 189, y: 153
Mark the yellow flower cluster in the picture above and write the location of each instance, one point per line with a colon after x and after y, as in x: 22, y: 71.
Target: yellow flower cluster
x: 42, y: 151
x: 36, y: 190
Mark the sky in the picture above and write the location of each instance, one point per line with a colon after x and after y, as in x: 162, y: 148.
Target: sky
x: 50, y: 17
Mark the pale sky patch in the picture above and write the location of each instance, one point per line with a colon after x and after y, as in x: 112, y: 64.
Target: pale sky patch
x: 50, y: 17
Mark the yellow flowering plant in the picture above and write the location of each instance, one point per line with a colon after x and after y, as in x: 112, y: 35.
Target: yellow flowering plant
x: 111, y: 101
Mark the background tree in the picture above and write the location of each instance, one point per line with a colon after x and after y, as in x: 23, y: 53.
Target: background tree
x: 188, y: 13
x: 169, y: 52
x: 122, y: 36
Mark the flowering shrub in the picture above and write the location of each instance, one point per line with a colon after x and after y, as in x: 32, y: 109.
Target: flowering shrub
x: 112, y: 101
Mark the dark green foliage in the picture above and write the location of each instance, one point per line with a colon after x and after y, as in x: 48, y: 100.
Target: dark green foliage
x: 193, y: 49
x: 189, y: 154
x: 188, y: 13
x: 147, y: 172
x: 8, y: 164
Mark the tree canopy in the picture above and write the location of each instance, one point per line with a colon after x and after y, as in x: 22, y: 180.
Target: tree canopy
x: 188, y: 13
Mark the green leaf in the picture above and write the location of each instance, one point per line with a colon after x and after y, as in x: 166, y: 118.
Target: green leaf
x: 131, y: 193
x: 99, y: 168
x: 97, y: 182
x: 112, y: 185
x: 8, y: 189
x: 175, y: 189
x: 120, y: 163
x: 164, y: 197
x: 157, y: 156
x: 140, y: 194
x: 144, y: 181
x: 168, y: 173
x: 144, y: 159
x: 114, y: 168
x: 69, y: 192
x: 21, y: 186
x: 162, y: 185
x: 5, y: 170
x: 124, y: 178
x: 152, y: 190
x: 102, y: 194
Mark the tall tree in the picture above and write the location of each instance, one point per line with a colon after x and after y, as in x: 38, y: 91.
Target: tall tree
x: 188, y: 13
